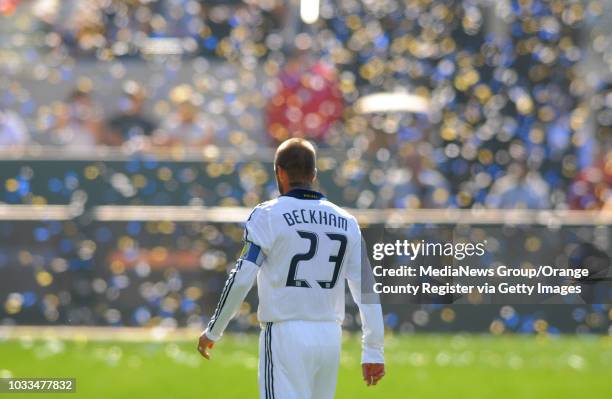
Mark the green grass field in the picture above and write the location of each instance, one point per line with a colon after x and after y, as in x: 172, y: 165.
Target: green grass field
x: 421, y: 366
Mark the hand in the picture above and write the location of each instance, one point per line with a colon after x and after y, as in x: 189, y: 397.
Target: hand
x: 204, y: 344
x: 373, y: 372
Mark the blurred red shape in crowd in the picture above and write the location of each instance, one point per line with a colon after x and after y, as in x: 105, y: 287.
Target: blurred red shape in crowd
x: 8, y: 6
x: 307, y: 101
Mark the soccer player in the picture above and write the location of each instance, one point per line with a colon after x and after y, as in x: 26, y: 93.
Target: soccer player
x: 301, y: 248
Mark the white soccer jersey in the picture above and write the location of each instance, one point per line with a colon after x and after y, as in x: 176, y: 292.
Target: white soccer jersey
x: 301, y: 248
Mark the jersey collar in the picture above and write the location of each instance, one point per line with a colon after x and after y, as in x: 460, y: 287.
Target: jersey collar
x: 302, y: 193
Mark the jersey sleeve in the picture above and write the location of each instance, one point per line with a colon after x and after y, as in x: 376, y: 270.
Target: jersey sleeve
x: 242, y: 276
x: 372, y: 325
x: 258, y: 229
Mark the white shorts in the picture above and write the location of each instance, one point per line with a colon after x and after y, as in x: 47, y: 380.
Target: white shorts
x: 299, y: 359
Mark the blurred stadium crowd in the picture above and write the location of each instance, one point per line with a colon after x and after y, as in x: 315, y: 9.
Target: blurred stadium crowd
x: 517, y: 117
x: 180, y: 102
x: 83, y: 272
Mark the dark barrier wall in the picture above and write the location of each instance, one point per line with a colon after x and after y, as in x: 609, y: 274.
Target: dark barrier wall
x: 146, y: 180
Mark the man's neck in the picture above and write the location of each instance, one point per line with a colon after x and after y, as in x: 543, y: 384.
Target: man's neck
x: 298, y: 187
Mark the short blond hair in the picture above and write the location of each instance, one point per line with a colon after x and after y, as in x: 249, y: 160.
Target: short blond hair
x: 298, y: 158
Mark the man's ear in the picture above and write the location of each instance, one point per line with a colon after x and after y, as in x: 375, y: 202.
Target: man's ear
x: 281, y: 175
x: 316, y: 171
